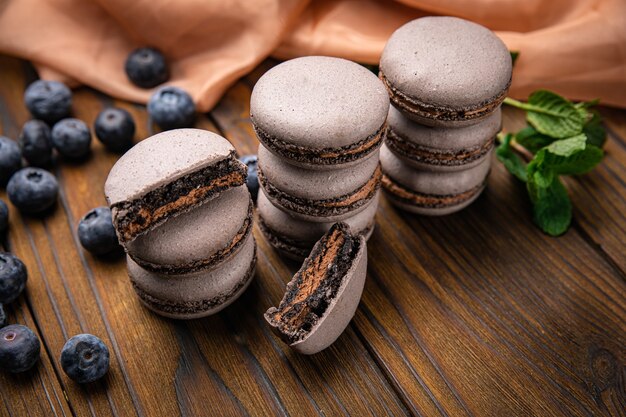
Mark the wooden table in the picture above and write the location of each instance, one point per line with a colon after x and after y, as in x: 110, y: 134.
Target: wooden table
x: 478, y: 313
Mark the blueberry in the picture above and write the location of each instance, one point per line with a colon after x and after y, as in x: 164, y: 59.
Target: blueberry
x: 96, y: 232
x: 32, y: 190
x: 115, y: 128
x: 146, y: 67
x: 4, y: 216
x: 71, y: 138
x: 13, y: 277
x: 85, y: 358
x: 10, y: 158
x: 50, y: 101
x: 36, y: 143
x: 172, y: 108
x: 19, y: 348
x: 252, y: 181
x: 3, y: 317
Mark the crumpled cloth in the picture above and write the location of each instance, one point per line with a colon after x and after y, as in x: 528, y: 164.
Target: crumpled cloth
x: 574, y: 47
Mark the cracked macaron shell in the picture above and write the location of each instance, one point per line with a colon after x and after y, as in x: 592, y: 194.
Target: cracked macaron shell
x: 196, y: 235
x: 224, y: 283
x: 319, y: 102
x: 161, y: 159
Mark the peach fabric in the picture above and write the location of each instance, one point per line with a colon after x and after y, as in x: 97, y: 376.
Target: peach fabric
x: 575, y: 47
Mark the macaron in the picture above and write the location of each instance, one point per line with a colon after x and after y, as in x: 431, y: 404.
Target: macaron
x: 445, y: 71
x: 294, y: 238
x: 198, y: 239
x: 315, y: 195
x: 322, y: 297
x: 198, y: 294
x: 319, y: 112
x: 168, y: 174
x: 441, y: 148
x: 432, y: 193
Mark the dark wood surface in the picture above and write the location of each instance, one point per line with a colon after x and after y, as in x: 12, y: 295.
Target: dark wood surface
x: 473, y: 314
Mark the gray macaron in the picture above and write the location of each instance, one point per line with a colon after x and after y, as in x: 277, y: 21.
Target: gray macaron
x: 324, y: 294
x: 433, y: 193
x: 445, y: 71
x: 319, y: 112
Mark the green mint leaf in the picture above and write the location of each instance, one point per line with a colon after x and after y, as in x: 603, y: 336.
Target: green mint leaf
x: 552, y: 208
x: 577, y: 163
x: 514, y: 56
x: 552, y: 114
x: 510, y: 159
x: 588, y: 104
x: 569, y: 146
x: 594, y: 130
x: 532, y: 140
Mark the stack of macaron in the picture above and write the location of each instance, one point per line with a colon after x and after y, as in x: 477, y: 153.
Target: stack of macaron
x: 446, y: 78
x: 321, y: 123
x: 183, y: 213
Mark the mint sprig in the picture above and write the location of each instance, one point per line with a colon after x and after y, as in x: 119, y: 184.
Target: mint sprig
x: 562, y: 138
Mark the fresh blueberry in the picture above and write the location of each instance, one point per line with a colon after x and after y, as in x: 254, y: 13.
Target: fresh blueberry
x: 10, y: 158
x: 115, y: 128
x: 50, y: 101
x: 71, y: 138
x: 4, y: 216
x: 13, y: 277
x: 85, y: 358
x: 252, y: 181
x: 172, y: 108
x: 19, y: 348
x: 36, y: 143
x: 146, y: 67
x: 32, y: 190
x: 3, y: 317
x: 96, y: 232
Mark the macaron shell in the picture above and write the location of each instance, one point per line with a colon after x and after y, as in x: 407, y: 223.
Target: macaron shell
x: 319, y: 102
x: 341, y: 309
x: 431, y: 182
x: 314, y: 184
x: 445, y: 139
x: 447, y: 62
x: 197, y: 234
x: 161, y: 159
x: 434, y: 211
x: 286, y: 225
x: 200, y: 294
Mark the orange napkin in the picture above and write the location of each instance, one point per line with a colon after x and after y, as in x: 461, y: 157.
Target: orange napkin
x: 575, y: 47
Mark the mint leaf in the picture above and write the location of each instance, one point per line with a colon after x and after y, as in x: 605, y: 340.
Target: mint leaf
x: 510, y: 159
x: 552, y: 208
x: 569, y: 146
x: 577, y: 163
x: 594, y: 130
x: 552, y: 114
x: 532, y: 140
x: 514, y: 56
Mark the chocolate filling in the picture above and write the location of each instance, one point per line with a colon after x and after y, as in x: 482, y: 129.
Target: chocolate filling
x: 328, y: 207
x: 207, y: 261
x: 324, y: 156
x: 434, y: 112
x: 415, y: 198
x: 131, y: 218
x: 426, y: 155
x: 194, y: 307
x: 296, y: 248
x: 315, y: 285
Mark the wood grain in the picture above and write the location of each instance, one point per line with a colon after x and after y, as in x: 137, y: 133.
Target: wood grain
x: 473, y: 314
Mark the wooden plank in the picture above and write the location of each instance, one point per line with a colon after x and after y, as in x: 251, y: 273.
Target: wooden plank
x: 598, y: 197
x: 479, y: 313
x: 229, y: 364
